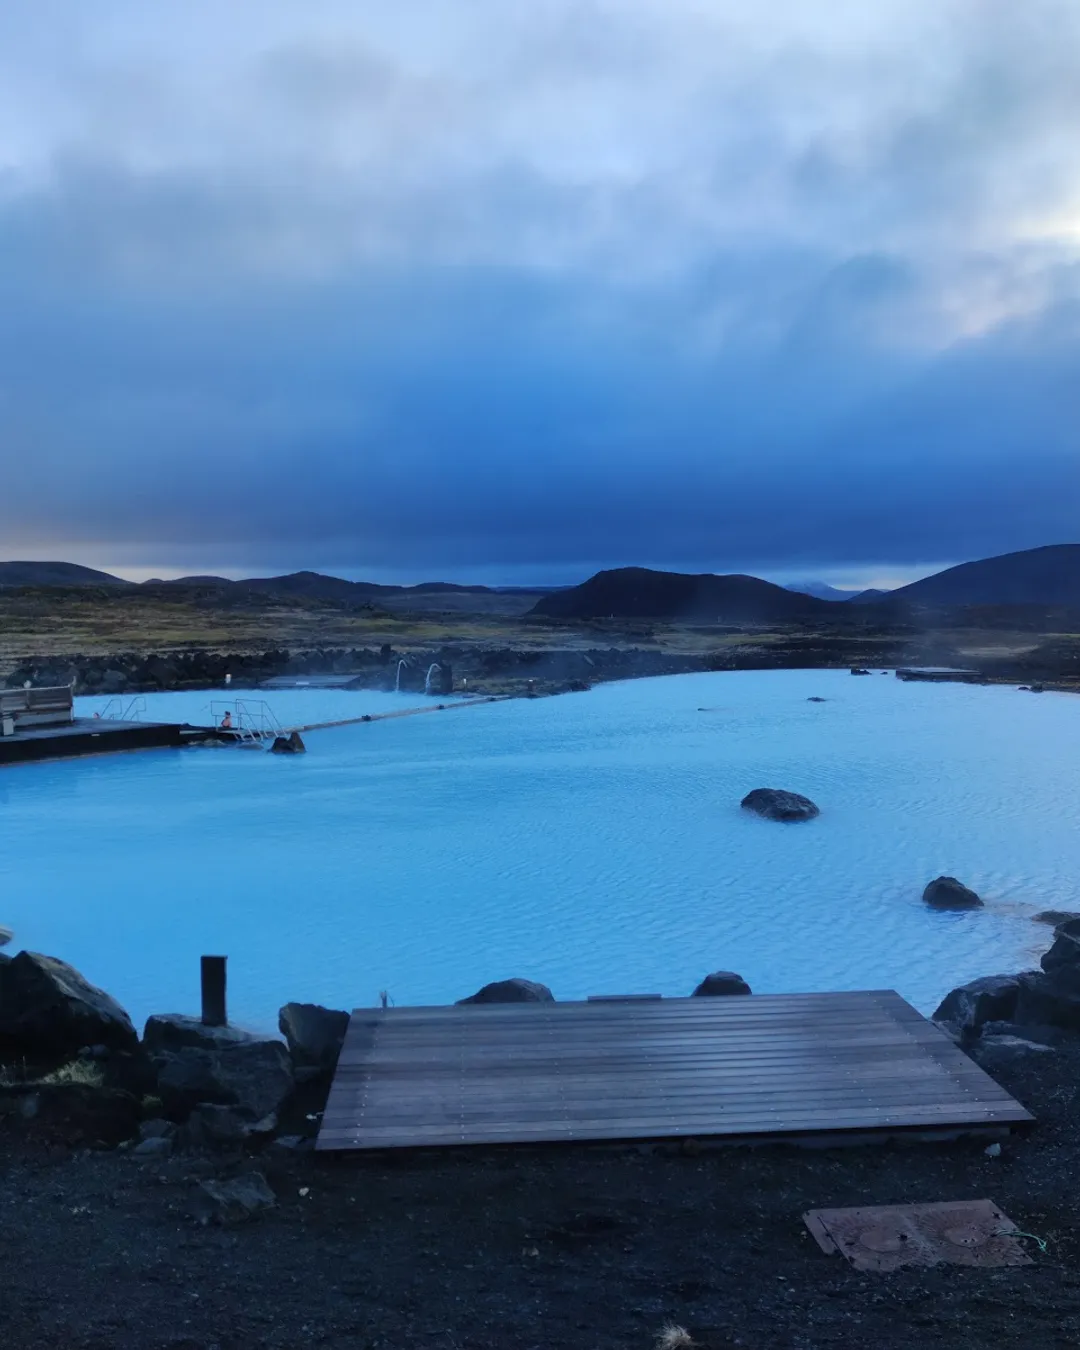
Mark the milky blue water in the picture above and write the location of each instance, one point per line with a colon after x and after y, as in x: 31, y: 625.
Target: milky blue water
x: 592, y: 841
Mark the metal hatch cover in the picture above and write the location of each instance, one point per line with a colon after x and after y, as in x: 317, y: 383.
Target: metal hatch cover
x: 886, y: 1237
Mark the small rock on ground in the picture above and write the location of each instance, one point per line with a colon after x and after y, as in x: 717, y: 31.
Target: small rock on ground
x: 157, y: 1146
x: 235, y: 1200
x: 156, y: 1129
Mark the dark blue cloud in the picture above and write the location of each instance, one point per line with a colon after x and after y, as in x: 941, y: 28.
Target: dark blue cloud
x: 759, y: 355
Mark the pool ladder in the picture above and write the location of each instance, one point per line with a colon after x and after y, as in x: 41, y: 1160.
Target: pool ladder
x: 116, y: 710
x: 253, y: 720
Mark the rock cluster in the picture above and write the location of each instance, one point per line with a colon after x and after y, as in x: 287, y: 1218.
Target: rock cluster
x: 1032, y: 1002
x: 77, y: 1071
x: 477, y: 670
x: 131, y: 672
x: 1055, y: 917
x: 251, y: 1074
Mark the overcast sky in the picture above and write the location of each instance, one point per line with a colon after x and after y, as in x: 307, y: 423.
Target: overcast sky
x: 514, y: 291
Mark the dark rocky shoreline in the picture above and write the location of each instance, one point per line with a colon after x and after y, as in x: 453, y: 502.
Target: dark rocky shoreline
x: 161, y: 1192
x: 484, y: 669
x: 74, y: 1068
x: 73, y: 1065
x: 193, y: 1235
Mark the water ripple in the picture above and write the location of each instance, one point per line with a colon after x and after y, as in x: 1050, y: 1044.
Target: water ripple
x: 594, y: 842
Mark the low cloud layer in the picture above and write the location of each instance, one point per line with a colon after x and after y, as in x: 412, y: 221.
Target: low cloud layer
x: 463, y: 291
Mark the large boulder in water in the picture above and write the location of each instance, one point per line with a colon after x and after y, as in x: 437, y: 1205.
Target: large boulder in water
x: 293, y: 744
x: 48, y: 1009
x: 314, y: 1034
x: 776, y: 804
x: 721, y: 983
x: 511, y: 991
x: 948, y: 893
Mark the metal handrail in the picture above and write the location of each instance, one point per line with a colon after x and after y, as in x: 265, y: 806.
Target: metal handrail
x: 251, y: 717
x: 116, y: 711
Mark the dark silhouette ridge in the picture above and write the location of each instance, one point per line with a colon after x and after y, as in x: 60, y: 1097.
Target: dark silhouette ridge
x: 1048, y: 576
x: 55, y: 574
x: 640, y: 593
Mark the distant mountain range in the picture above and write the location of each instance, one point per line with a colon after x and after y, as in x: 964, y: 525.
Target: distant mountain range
x: 310, y: 584
x: 823, y: 591
x: 318, y: 586
x: 1045, y: 577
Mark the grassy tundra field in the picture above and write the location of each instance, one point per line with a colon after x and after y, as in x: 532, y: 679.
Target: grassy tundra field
x: 60, y: 622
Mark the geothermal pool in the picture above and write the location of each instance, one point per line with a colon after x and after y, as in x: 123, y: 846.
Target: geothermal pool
x: 593, y: 842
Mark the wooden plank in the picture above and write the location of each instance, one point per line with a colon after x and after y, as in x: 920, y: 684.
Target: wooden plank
x: 632, y: 1115
x: 522, y: 1106
x: 515, y: 1094
x: 681, y: 1055
x: 637, y: 1122
x: 701, y: 1047
x: 391, y: 1136
x: 622, y: 1111
x: 718, y: 1089
x: 633, y: 1122
x: 729, y: 1078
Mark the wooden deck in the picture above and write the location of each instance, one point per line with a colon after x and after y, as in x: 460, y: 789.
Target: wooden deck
x: 742, y: 1067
